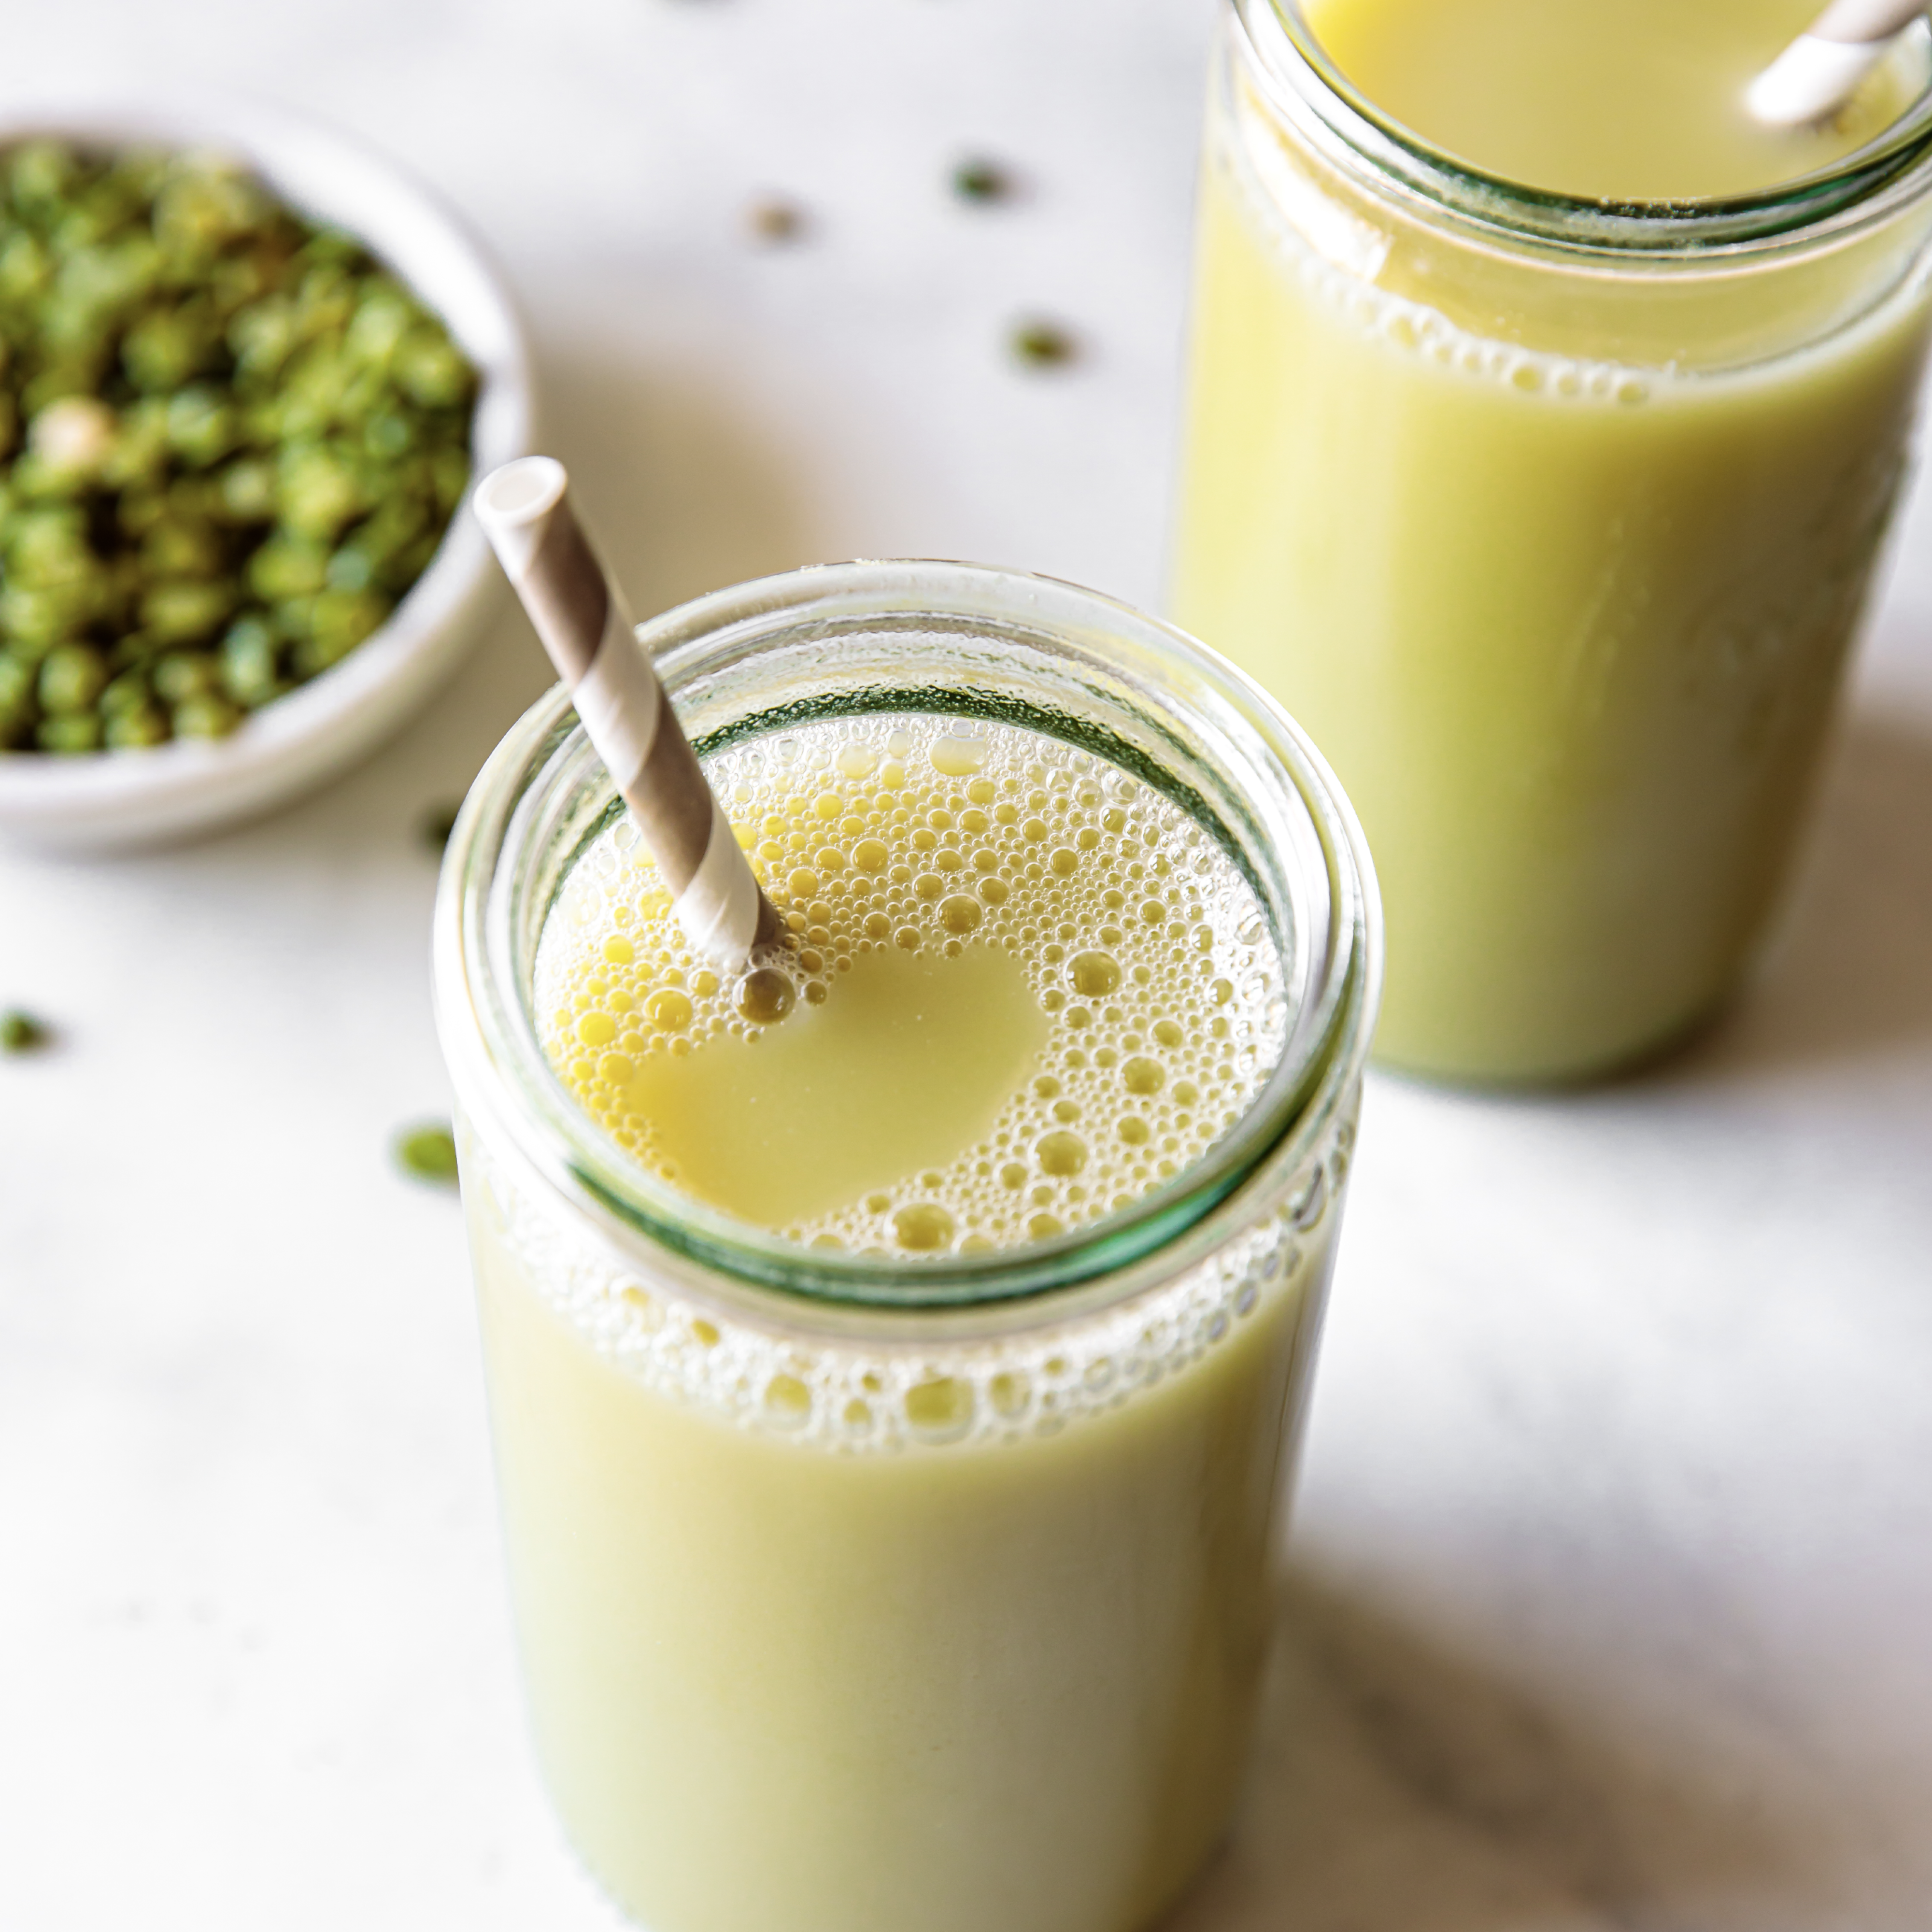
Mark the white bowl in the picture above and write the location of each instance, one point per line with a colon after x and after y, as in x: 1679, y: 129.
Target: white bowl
x: 99, y: 801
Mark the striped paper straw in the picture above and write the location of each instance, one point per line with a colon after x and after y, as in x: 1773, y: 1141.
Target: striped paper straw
x: 580, y: 614
x: 1821, y: 70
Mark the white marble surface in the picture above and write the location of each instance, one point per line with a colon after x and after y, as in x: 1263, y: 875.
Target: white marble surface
x: 1612, y: 1599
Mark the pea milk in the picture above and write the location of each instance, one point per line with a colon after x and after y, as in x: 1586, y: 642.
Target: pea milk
x: 1555, y: 547
x: 842, y: 1636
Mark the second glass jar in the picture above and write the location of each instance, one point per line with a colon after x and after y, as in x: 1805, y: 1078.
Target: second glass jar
x: 1553, y: 523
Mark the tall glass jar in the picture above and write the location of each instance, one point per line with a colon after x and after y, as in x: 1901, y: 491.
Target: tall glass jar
x: 855, y: 1594
x: 1552, y: 519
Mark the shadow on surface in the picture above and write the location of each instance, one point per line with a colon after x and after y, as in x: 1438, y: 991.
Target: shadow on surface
x: 1401, y: 1787
x: 1850, y: 972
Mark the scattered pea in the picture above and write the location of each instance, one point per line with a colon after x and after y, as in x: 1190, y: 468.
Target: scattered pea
x: 21, y: 1032
x: 426, y: 1153
x: 978, y: 179
x: 772, y: 218
x: 1043, y: 345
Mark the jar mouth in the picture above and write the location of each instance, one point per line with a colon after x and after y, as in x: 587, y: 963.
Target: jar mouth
x: 959, y: 641
x: 1303, y: 83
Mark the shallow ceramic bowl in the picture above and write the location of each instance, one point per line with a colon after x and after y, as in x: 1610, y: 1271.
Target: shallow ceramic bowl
x: 98, y: 801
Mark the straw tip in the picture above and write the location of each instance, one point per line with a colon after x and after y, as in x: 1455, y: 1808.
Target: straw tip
x: 521, y: 492
x: 1813, y: 78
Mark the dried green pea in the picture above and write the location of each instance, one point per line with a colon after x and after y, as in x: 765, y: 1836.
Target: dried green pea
x: 383, y: 317
x: 250, y: 671
x: 182, y: 546
x: 247, y: 491
x: 203, y: 427
x: 209, y: 716
x: 339, y: 620
x: 21, y: 1032
x: 72, y: 731
x: 139, y: 459
x: 18, y: 677
x: 426, y: 1153
x: 135, y: 729
x: 127, y: 692
x: 166, y: 347
x: 72, y: 678
x: 186, y: 610
x: 19, y: 712
x: 429, y: 370
x: 353, y: 567
x: 25, y: 269
x: 39, y: 175
x: 316, y: 491
x: 262, y: 335
x: 285, y: 567
x: 38, y: 619
x: 182, y: 675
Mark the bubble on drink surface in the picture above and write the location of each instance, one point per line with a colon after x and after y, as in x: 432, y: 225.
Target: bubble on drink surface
x: 764, y: 996
x: 1143, y: 945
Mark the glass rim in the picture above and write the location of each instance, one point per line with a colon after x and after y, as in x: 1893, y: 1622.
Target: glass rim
x: 1301, y: 79
x: 489, y: 1037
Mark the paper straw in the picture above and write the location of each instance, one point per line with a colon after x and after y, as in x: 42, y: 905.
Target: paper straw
x: 1821, y: 70
x: 579, y: 613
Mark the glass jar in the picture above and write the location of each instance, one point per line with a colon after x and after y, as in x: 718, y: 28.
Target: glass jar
x: 855, y: 1593
x: 1552, y: 521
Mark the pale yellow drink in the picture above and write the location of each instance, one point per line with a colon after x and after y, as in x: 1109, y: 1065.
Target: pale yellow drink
x: 1553, y: 534
x: 853, y: 1618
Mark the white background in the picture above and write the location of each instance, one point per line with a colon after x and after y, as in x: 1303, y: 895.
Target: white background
x: 1612, y: 1598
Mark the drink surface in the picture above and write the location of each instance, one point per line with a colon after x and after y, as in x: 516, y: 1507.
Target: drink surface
x: 1641, y: 101
x: 1033, y: 990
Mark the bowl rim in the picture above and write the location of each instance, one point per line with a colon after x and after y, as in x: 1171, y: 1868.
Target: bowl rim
x: 304, y: 161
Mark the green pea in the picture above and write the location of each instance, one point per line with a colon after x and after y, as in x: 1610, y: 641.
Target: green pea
x: 166, y: 347
x: 139, y: 459
x: 203, y: 427
x: 339, y: 620
x: 426, y: 1153
x: 74, y: 731
x: 72, y: 677
x: 262, y: 335
x: 136, y: 729
x: 185, y: 610
x: 353, y: 567
x: 18, y: 677
x: 21, y: 1032
x: 182, y: 675
x: 247, y: 491
x: 250, y: 671
x: 383, y: 318
x: 316, y: 492
x: 181, y: 546
x: 429, y: 371
x: 19, y: 712
x: 285, y: 567
x: 39, y: 174
x: 127, y: 692
x: 209, y: 716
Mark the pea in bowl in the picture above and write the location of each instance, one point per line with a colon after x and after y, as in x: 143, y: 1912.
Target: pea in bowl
x: 248, y: 371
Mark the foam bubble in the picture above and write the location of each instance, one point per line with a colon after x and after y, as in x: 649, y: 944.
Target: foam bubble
x: 1140, y: 940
